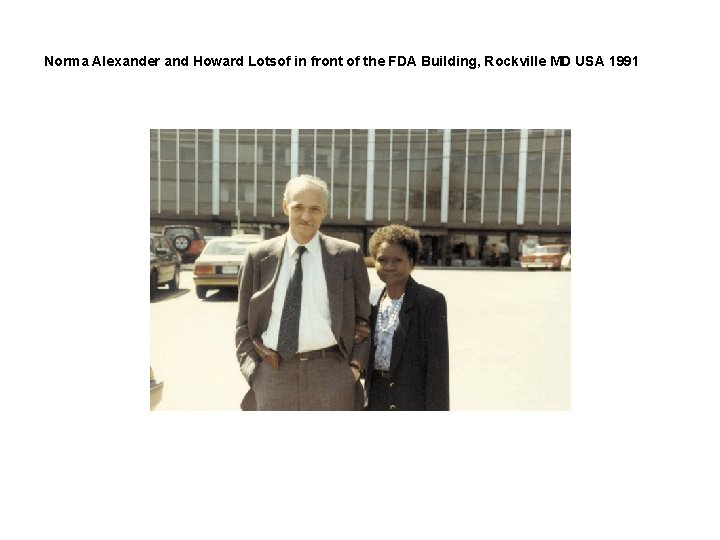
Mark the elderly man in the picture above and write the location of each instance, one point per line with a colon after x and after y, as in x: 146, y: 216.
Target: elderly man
x: 303, y: 307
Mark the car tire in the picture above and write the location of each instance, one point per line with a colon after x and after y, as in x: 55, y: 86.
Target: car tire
x: 174, y: 283
x: 181, y: 243
x: 153, y: 285
x: 201, y: 292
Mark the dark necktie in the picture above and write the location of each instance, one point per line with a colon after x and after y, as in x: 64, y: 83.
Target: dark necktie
x: 290, y: 320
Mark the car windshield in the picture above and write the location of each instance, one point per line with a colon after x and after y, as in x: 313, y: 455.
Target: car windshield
x: 226, y: 248
x: 546, y: 249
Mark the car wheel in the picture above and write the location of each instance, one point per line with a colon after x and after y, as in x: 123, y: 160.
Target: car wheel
x: 174, y: 284
x: 153, y: 285
x: 181, y: 243
x: 201, y: 292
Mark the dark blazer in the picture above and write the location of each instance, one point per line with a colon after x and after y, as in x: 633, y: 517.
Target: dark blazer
x: 348, y: 291
x: 419, y: 364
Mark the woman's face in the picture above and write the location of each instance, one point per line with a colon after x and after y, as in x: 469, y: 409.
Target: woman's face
x: 393, y: 264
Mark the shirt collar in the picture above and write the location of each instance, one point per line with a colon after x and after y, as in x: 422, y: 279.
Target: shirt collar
x: 313, y: 246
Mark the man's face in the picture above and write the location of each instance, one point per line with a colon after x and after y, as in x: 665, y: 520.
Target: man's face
x: 305, y: 211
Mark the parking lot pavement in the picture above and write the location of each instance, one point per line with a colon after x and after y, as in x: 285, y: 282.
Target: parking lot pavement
x: 509, y: 341
x: 509, y: 335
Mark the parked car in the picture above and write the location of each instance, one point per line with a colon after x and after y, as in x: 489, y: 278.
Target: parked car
x: 164, y: 264
x: 186, y: 239
x: 547, y: 257
x: 565, y: 262
x: 219, y: 264
x: 156, y: 390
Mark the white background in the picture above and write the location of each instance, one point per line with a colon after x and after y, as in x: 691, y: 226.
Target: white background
x: 636, y: 457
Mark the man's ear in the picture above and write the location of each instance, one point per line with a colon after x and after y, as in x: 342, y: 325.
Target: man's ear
x: 285, y: 207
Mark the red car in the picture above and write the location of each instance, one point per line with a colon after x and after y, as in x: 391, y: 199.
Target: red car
x: 186, y: 239
x: 547, y: 257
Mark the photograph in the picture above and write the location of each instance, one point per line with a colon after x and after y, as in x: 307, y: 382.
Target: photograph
x: 457, y: 245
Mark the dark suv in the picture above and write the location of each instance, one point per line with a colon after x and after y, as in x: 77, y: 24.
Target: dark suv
x: 186, y: 239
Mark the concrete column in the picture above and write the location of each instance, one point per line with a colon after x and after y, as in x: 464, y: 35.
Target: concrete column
x: 407, y: 179
x: 502, y: 166
x: 272, y: 178
x: 332, y: 173
x: 445, y: 187
x: 370, y: 187
x: 294, y: 152
x: 350, y: 158
x: 159, y: 171
x: 215, y: 186
x: 560, y: 167
x: 390, y: 170
x: 465, y: 181
x: 482, y: 189
x: 177, y: 170
x: 197, y: 179
x: 425, y: 171
x: 542, y: 177
x: 255, y: 192
x: 522, y: 177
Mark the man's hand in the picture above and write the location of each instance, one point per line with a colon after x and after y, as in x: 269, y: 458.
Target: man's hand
x: 362, y: 331
x: 356, y: 369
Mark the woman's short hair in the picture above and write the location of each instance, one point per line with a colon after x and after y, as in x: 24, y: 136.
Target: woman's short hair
x: 397, y: 234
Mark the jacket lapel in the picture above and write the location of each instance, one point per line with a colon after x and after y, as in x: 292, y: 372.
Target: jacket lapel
x: 269, y: 271
x: 375, y: 296
x: 401, y: 333
x: 334, y: 276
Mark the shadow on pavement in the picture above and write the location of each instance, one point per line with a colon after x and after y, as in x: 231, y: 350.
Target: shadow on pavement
x: 162, y: 295
x: 222, y: 295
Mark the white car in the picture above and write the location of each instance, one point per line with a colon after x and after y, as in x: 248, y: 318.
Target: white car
x: 218, y: 265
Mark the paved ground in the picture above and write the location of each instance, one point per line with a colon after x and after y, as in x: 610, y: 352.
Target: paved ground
x: 509, y: 342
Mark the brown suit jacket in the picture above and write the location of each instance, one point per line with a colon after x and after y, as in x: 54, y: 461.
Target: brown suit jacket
x: 348, y: 291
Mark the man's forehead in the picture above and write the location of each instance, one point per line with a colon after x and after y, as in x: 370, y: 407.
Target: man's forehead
x: 306, y: 202
x: 307, y: 196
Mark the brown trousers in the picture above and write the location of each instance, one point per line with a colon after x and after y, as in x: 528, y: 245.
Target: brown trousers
x: 321, y: 384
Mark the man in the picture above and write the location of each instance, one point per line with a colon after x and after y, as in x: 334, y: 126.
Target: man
x: 504, y: 254
x: 310, y: 361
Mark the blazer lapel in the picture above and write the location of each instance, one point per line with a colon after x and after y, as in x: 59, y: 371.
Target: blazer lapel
x: 375, y: 296
x: 334, y: 276
x: 269, y: 271
x: 401, y: 333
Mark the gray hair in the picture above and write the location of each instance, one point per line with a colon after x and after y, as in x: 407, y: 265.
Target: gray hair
x: 303, y: 181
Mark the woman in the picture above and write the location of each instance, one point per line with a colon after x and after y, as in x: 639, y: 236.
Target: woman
x: 409, y: 329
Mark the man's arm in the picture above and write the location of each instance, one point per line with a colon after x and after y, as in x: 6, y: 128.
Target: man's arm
x: 244, y: 350
x: 361, y: 351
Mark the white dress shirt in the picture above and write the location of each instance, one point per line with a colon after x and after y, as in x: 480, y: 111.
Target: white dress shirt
x: 315, y: 330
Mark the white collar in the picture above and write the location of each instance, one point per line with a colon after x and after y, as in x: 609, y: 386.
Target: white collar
x: 313, y: 246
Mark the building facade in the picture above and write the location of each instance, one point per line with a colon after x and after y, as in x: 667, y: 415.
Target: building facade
x: 464, y: 190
